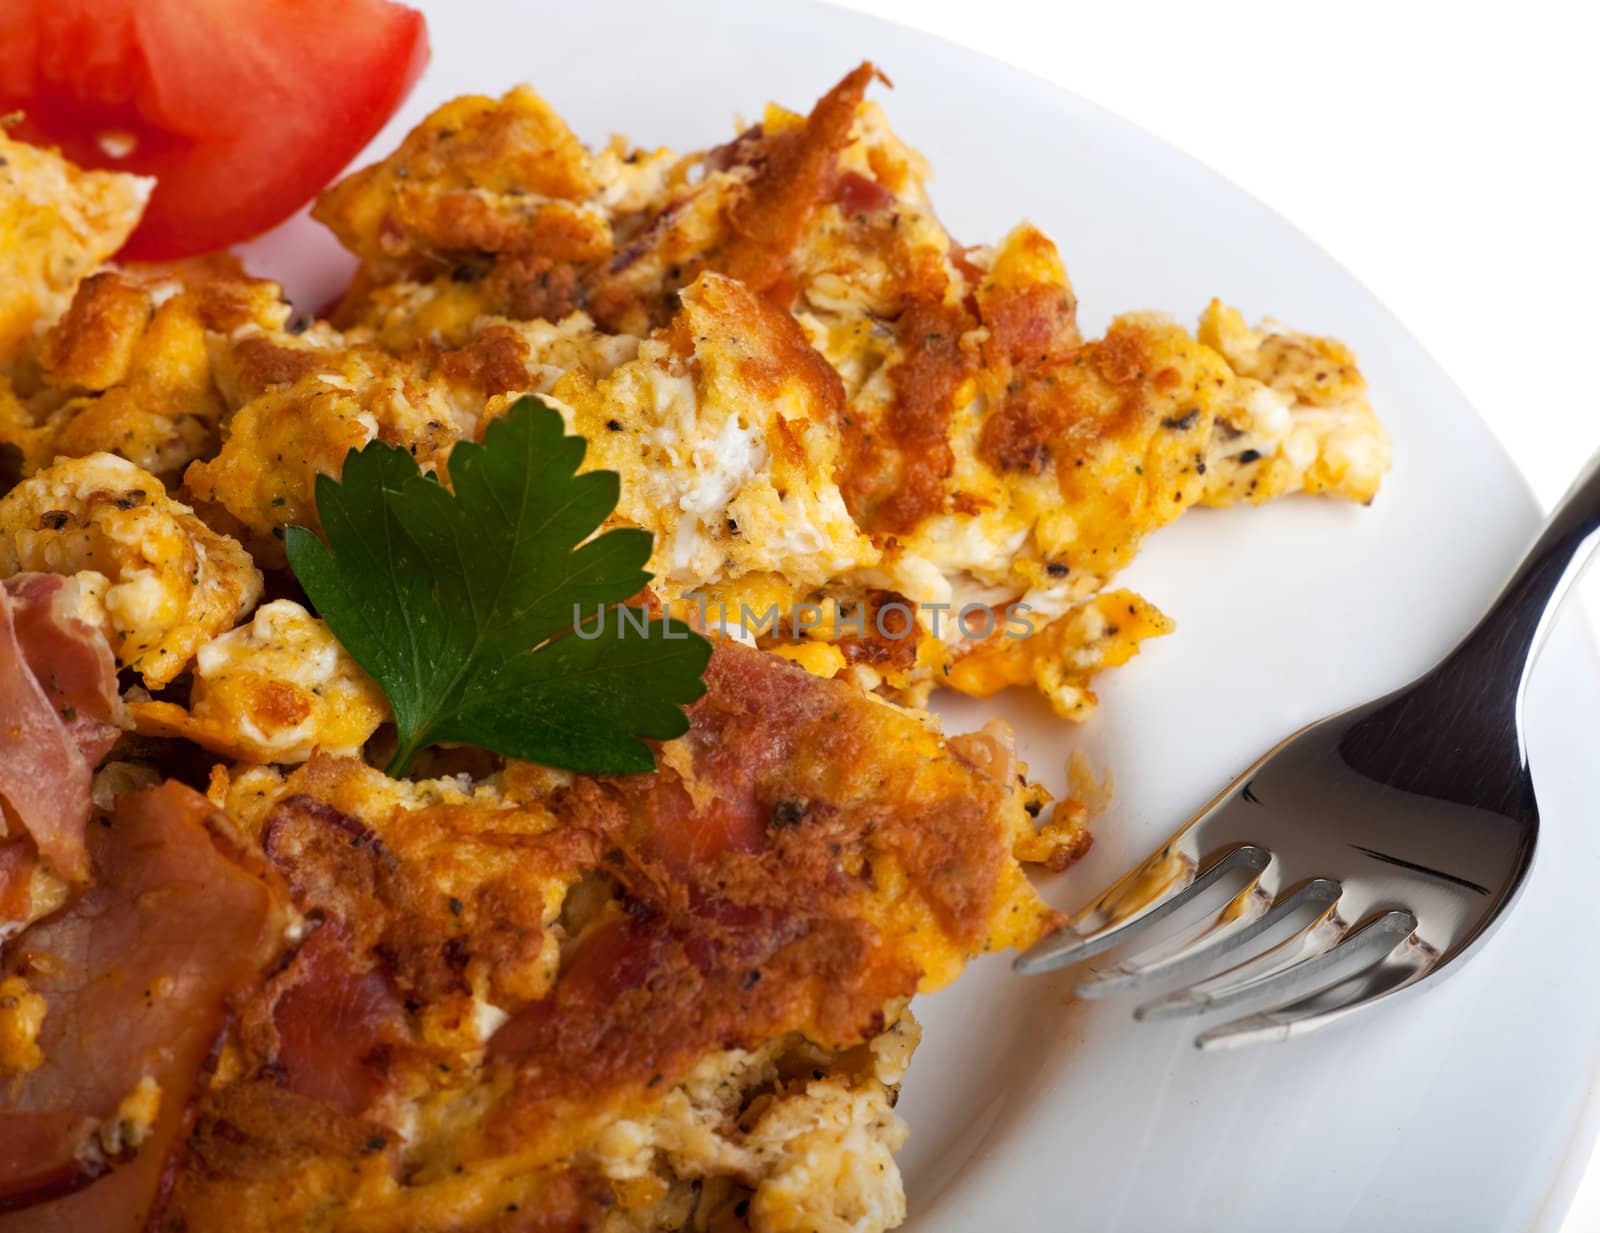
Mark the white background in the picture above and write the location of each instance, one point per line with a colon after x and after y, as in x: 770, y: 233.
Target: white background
x: 1447, y: 154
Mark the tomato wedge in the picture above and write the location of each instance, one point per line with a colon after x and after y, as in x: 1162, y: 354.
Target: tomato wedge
x: 242, y: 109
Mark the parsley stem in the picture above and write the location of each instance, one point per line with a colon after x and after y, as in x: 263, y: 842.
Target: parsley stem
x: 404, y: 755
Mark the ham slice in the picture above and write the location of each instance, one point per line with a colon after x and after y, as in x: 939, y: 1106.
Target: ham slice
x: 59, y: 715
x: 333, y: 1019
x: 137, y: 976
x: 17, y: 859
x: 336, y: 1012
x: 69, y: 658
x: 46, y: 1154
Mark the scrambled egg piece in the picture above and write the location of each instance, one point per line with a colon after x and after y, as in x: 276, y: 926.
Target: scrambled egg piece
x: 155, y: 578
x: 134, y: 1119
x: 813, y: 1153
x: 476, y: 848
x: 278, y: 443
x: 1062, y: 658
x: 273, y: 690
x: 22, y: 1012
x: 475, y: 172
x: 724, y: 431
x: 833, y: 1167
x: 57, y: 223
x: 305, y: 403
x: 503, y: 177
x: 1301, y: 421
x: 128, y: 369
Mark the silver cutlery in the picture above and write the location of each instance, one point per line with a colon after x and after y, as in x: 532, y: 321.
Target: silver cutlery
x: 1363, y: 854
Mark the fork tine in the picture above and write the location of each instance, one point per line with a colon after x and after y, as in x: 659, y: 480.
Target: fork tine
x: 1410, y: 961
x: 1313, y: 940
x: 1131, y: 905
x: 1279, y: 923
x: 1313, y: 960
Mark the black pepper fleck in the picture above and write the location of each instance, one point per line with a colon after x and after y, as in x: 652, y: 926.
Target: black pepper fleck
x: 789, y: 812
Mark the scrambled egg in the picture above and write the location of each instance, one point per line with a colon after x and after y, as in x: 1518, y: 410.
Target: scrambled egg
x: 963, y: 443
x: 724, y: 431
x: 57, y: 224
x: 467, y: 837
x: 822, y: 406
x: 129, y: 368
x: 156, y: 579
x: 1300, y: 420
x: 273, y: 690
x: 813, y: 394
x: 22, y: 1014
x: 811, y: 1155
x: 710, y: 1037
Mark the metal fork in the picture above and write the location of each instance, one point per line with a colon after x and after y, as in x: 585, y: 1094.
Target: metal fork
x: 1363, y: 854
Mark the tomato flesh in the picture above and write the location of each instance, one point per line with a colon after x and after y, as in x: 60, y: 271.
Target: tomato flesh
x: 242, y: 109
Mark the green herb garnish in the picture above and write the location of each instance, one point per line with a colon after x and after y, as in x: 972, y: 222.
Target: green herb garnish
x: 462, y: 606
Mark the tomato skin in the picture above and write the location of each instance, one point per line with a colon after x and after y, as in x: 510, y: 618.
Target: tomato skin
x: 242, y: 109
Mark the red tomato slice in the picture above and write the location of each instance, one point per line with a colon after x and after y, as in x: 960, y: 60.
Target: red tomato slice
x: 242, y: 109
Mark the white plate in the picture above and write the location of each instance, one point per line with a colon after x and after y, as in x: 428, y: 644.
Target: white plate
x: 1462, y: 1109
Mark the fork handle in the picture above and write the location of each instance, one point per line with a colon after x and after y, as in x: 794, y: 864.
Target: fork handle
x: 1501, y: 648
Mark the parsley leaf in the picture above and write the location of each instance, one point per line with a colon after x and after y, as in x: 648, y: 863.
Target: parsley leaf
x: 459, y: 604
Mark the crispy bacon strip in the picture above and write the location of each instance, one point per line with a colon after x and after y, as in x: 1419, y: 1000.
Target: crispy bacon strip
x: 59, y: 715
x: 137, y: 976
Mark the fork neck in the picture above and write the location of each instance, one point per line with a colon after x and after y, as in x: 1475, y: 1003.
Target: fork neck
x: 1495, y: 657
